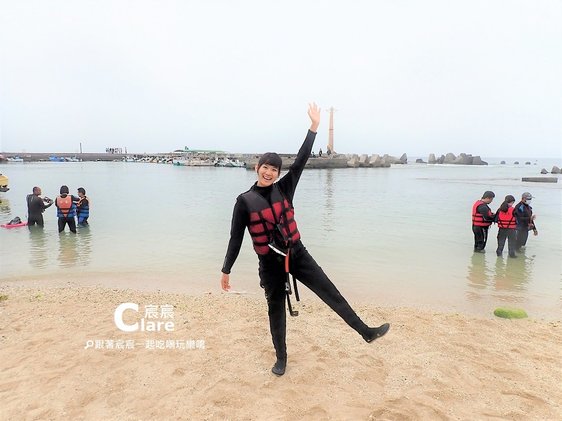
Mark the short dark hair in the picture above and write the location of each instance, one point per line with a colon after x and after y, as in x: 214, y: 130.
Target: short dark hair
x: 271, y: 158
x: 36, y: 189
x: 64, y: 190
x: 81, y: 190
x: 488, y: 195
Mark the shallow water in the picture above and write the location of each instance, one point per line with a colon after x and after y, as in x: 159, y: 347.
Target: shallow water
x: 392, y: 237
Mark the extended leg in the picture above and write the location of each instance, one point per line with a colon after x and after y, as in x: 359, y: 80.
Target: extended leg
x: 306, y: 270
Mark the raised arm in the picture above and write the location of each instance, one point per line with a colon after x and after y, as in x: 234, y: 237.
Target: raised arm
x: 288, y: 183
x: 314, y: 115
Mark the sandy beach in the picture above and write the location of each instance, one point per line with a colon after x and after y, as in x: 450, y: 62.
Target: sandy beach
x: 63, y: 357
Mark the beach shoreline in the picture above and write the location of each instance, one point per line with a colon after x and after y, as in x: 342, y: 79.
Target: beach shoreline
x: 246, y: 283
x: 430, y: 364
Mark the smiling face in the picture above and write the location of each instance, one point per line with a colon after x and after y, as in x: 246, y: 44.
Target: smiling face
x: 267, y: 174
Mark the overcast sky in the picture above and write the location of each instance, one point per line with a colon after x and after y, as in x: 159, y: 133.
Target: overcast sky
x: 481, y: 77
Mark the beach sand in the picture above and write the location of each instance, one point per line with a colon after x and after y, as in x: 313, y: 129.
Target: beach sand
x: 429, y: 365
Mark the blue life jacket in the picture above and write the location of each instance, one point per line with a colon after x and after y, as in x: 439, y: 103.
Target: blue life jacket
x: 83, y: 209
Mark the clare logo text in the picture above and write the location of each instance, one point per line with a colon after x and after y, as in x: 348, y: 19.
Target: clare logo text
x: 154, y: 319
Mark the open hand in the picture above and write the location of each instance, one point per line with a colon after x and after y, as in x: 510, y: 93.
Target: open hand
x: 225, y: 282
x: 314, y: 114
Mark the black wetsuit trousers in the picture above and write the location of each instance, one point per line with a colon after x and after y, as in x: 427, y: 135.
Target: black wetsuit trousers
x: 307, y: 271
x: 71, y: 224
x: 480, y: 237
x: 509, y: 234
x: 35, y: 219
x: 522, y: 236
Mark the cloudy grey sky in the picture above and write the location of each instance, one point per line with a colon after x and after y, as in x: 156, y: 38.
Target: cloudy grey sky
x: 474, y: 76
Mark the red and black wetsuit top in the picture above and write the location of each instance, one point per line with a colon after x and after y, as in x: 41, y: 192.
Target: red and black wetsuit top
x: 286, y: 187
x: 270, y: 222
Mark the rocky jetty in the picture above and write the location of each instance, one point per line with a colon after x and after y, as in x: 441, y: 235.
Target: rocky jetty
x: 554, y: 170
x: 451, y: 158
x: 364, y: 160
x: 378, y: 161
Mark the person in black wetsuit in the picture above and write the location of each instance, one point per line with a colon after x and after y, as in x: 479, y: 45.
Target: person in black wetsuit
x: 482, y: 218
x: 525, y: 220
x: 36, y: 206
x: 267, y: 211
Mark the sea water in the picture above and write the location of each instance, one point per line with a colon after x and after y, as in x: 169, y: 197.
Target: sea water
x: 398, y: 236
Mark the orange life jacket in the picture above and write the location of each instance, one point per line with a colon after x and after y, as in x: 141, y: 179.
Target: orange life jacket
x: 507, y: 219
x: 477, y: 218
x: 65, y: 205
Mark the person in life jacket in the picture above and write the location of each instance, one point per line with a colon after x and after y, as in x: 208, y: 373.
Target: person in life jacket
x: 482, y: 218
x: 82, y: 207
x: 66, y: 209
x: 525, y: 220
x: 266, y: 210
x: 506, y: 226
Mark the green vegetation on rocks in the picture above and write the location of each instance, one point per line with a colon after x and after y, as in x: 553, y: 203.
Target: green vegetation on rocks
x: 510, y: 313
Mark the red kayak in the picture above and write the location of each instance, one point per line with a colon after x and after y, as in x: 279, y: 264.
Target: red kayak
x: 21, y: 224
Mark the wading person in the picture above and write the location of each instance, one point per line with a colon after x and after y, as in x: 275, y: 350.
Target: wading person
x: 525, y: 220
x: 36, y: 205
x: 66, y: 209
x: 482, y: 218
x: 506, y: 226
x: 267, y: 211
x: 82, y: 208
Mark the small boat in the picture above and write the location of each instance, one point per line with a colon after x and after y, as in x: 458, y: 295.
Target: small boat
x: 14, y: 159
x: 72, y: 159
x: 192, y: 162
x: 227, y: 162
